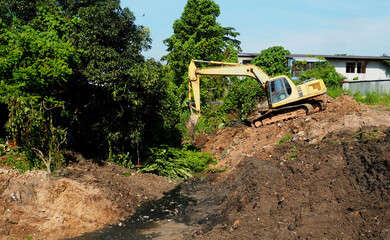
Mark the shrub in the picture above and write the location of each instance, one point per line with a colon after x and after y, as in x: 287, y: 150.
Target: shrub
x: 242, y: 97
x: 176, y: 163
x: 31, y: 126
x: 324, y: 71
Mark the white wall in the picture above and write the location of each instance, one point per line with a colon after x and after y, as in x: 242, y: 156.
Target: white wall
x: 241, y: 59
x: 375, y: 69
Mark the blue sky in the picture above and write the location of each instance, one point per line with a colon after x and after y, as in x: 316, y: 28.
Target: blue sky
x: 355, y: 27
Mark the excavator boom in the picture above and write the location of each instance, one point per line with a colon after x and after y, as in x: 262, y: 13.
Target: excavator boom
x: 229, y: 69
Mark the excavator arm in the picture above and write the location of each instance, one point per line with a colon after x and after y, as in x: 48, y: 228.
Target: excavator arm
x: 226, y: 69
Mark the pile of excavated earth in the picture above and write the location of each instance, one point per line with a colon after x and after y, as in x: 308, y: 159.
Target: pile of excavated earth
x: 322, y: 176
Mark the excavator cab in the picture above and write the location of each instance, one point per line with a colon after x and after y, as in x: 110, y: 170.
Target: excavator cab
x: 279, y: 89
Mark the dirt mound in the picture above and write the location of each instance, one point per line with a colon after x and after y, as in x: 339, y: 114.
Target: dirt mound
x: 322, y: 176
x: 229, y: 145
x: 84, y: 197
x: 334, y: 189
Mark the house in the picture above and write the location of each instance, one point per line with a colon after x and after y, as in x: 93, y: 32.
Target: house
x: 352, y: 67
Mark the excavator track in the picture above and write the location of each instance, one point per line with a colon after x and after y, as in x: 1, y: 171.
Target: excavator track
x: 289, y: 112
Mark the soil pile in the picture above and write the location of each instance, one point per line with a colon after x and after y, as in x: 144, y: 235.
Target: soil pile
x: 229, y: 145
x: 323, y: 176
x: 84, y: 197
x: 338, y: 188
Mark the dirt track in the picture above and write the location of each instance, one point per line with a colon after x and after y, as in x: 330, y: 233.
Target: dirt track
x: 329, y: 180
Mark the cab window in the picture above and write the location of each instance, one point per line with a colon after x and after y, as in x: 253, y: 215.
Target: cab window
x: 279, y: 89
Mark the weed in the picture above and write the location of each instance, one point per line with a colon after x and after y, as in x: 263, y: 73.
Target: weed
x: 365, y: 136
x: 216, y: 170
x: 335, y: 91
x: 2, y: 150
x: 126, y: 174
x: 371, y: 98
x: 294, y: 148
x: 337, y: 142
x: 225, y: 153
x: 122, y: 159
x: 285, y: 139
x: 18, y: 161
x: 292, y: 156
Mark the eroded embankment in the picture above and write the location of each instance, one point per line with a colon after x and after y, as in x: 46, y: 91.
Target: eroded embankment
x: 84, y: 197
x: 336, y: 188
x: 328, y: 180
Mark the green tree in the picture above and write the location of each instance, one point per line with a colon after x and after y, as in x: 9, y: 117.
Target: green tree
x: 120, y: 98
x: 273, y: 61
x: 198, y: 35
x: 37, y: 61
x: 242, y: 98
x: 34, y: 66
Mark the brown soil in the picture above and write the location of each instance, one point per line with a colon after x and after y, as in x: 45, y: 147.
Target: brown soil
x: 329, y: 178
x: 84, y: 197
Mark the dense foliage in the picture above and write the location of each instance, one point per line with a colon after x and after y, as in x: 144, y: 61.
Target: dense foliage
x: 172, y: 163
x: 387, y: 62
x: 323, y: 70
x: 273, y: 61
x: 242, y: 98
x: 87, y: 56
x: 35, y: 65
x: 72, y: 73
x: 31, y: 125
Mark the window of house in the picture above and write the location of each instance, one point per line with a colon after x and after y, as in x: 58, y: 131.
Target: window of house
x: 246, y: 61
x: 350, y: 67
x: 361, y: 67
x: 300, y: 67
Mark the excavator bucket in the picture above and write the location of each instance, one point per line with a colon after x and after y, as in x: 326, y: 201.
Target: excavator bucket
x: 191, y: 124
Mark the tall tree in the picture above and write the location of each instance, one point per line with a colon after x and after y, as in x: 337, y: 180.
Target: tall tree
x: 198, y: 35
x: 273, y: 60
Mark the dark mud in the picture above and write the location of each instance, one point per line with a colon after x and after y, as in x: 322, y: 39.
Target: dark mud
x: 145, y: 222
x: 338, y: 188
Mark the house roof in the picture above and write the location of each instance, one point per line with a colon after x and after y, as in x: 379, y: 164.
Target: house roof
x: 323, y: 55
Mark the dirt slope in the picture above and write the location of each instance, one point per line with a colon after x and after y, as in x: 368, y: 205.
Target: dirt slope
x: 231, y: 144
x: 84, y: 197
x: 329, y: 180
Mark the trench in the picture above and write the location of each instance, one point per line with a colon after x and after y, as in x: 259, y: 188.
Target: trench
x: 163, y: 218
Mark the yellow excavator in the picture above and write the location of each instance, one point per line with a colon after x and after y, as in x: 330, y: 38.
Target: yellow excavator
x: 285, y: 99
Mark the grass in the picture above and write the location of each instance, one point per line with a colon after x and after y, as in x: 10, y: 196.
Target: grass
x: 335, y: 92
x: 371, y: 98
x: 285, y: 139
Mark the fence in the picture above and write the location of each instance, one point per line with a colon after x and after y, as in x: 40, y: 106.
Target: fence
x: 381, y: 86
